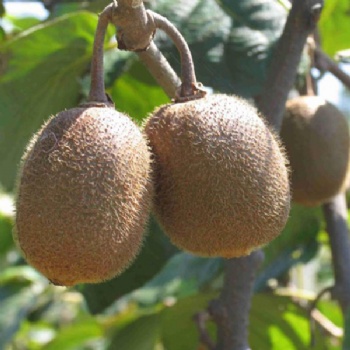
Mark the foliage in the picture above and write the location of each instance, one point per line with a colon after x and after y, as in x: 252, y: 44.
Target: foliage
x: 44, y: 68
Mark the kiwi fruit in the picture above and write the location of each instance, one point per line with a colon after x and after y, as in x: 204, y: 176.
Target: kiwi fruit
x: 84, y: 196
x: 316, y: 137
x: 221, y: 181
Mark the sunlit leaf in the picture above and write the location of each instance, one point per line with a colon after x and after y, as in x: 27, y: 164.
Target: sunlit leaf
x: 334, y: 26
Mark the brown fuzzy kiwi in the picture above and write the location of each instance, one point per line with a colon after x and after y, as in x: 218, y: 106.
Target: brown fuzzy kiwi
x: 84, y: 195
x: 317, y: 141
x: 220, y: 176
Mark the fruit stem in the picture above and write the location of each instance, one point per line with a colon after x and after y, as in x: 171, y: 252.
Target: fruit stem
x: 160, y: 69
x: 97, y: 89
x: 189, y: 88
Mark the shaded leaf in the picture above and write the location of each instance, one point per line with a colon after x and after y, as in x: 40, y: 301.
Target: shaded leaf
x: 142, y: 334
x: 179, y: 331
x: 155, y: 252
x: 297, y: 243
x: 183, y: 275
x: 17, y: 297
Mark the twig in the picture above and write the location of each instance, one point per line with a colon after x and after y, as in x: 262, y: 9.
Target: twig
x: 312, y: 308
x: 326, y: 324
x: 325, y: 63
x: 200, y: 319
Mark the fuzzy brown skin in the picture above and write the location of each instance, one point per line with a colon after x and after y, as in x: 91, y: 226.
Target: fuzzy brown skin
x: 84, y: 195
x: 221, y: 181
x: 317, y: 141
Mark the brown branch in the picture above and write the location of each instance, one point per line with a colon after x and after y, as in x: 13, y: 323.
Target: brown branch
x: 325, y: 63
x: 300, y: 23
x: 161, y: 70
x: 335, y: 213
x: 231, y: 311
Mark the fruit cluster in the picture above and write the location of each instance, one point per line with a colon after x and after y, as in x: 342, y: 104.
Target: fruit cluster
x: 209, y: 167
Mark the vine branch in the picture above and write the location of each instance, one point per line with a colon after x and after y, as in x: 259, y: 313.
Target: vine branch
x: 325, y: 63
x: 301, y: 21
x: 335, y: 213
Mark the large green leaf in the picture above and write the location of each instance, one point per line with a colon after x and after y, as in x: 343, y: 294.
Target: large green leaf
x: 155, y: 252
x: 335, y: 26
x: 231, y: 57
x: 198, y: 22
x: 40, y: 71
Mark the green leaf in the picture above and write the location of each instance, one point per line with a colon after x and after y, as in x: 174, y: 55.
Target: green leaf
x: 76, y: 335
x: 179, y: 331
x: 198, y: 22
x: 231, y: 57
x: 39, y: 76
x: 2, y: 8
x: 183, y: 275
x: 22, y: 23
x: 334, y: 26
x: 155, y: 252
x: 16, y: 301
x: 277, y: 323
x: 136, y: 92
x: 297, y: 243
x: 142, y: 334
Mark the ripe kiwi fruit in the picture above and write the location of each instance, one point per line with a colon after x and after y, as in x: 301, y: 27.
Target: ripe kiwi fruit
x: 221, y: 181
x: 316, y: 137
x: 84, y: 195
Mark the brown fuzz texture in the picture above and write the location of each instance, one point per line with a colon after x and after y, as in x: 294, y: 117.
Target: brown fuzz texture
x: 221, y: 179
x: 317, y: 141
x: 84, y: 195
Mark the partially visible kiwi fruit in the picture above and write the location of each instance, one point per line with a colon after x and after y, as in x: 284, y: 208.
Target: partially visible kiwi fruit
x: 316, y: 136
x: 221, y: 179
x: 84, y: 195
